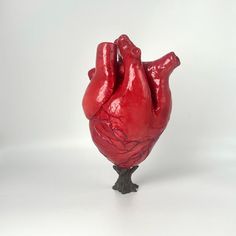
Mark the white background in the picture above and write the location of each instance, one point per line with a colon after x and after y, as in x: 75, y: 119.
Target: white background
x: 53, y: 181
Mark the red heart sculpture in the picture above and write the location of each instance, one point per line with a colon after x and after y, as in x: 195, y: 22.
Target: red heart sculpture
x: 128, y: 104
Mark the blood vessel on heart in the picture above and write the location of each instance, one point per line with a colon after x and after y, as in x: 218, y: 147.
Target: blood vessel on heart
x: 127, y: 102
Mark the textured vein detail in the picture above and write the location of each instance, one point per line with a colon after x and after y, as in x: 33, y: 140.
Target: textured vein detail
x: 115, y: 144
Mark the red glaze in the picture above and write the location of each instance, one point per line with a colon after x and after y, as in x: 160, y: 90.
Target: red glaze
x: 128, y: 102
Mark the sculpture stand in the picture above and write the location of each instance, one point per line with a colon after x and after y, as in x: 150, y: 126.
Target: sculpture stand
x: 124, y: 183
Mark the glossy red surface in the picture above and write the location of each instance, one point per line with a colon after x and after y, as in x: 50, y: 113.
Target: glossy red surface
x: 128, y: 102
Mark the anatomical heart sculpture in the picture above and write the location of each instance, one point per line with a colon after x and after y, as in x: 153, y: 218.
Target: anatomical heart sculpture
x: 128, y: 104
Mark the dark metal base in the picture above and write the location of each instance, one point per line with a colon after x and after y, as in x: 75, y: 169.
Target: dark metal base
x: 124, y: 183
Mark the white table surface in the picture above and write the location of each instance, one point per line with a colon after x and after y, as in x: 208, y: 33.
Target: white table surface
x: 67, y: 191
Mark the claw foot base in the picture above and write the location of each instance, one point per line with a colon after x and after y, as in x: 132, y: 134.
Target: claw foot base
x: 124, y: 183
